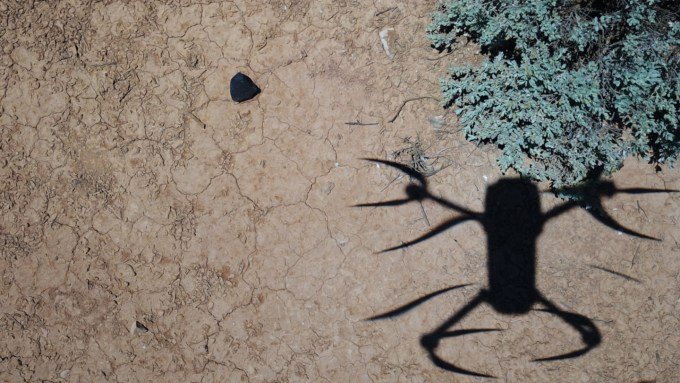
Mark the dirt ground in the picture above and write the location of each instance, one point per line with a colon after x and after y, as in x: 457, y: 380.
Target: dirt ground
x: 153, y: 230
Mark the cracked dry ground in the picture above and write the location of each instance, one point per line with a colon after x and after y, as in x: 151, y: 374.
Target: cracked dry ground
x: 132, y: 189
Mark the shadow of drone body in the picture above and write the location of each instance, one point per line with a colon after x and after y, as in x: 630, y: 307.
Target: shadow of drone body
x: 512, y: 220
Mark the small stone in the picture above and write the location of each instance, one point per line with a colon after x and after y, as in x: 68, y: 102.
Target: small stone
x: 139, y: 327
x: 242, y: 88
x: 65, y: 374
x: 327, y: 188
x: 388, y: 38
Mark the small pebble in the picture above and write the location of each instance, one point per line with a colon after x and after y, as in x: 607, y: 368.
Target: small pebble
x: 388, y: 38
x: 242, y: 88
x: 140, y: 327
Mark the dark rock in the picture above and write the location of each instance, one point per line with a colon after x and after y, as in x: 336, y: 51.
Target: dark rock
x: 140, y: 326
x: 242, y: 88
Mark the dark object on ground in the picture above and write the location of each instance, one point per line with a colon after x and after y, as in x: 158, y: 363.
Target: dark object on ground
x: 140, y: 326
x: 242, y: 88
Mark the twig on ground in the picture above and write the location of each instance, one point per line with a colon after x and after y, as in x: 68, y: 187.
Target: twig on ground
x: 419, y: 160
x: 384, y: 11
x: 632, y: 261
x: 438, y: 57
x: 641, y: 209
x: 196, y: 119
x: 391, y: 182
x: 422, y: 209
x: 406, y: 102
x: 359, y: 123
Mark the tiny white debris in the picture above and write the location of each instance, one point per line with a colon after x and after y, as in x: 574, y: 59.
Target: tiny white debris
x: 437, y: 122
x: 619, y: 233
x: 388, y: 38
x: 377, y: 166
x: 337, y: 164
x: 486, y: 179
x: 65, y: 374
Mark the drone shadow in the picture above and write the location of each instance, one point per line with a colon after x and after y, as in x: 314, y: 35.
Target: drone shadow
x: 512, y: 220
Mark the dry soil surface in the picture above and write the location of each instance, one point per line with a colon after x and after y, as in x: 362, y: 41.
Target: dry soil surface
x: 153, y: 230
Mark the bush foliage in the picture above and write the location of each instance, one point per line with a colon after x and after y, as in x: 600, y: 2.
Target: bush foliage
x: 569, y: 87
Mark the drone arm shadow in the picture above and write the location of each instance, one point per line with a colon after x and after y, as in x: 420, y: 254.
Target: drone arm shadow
x: 453, y: 206
x: 417, y: 191
x: 590, y: 335
x: 423, y: 195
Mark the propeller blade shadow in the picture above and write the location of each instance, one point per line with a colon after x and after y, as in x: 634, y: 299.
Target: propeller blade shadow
x: 644, y: 191
x: 396, y: 202
x: 599, y: 214
x: 404, y: 168
x: 411, y: 305
x: 622, y: 275
x: 435, y: 231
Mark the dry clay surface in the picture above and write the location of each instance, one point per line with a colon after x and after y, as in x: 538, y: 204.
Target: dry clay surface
x: 153, y: 230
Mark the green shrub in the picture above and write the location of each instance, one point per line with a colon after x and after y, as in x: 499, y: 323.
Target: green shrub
x: 569, y: 87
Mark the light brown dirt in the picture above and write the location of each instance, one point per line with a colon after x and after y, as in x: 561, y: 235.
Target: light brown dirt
x: 132, y: 189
